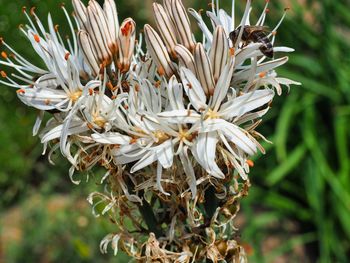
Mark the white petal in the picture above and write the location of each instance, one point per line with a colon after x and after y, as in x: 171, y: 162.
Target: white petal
x: 204, y: 151
x: 193, y: 89
x: 165, y: 154
x: 246, y: 103
x: 180, y: 116
x: 111, y: 138
x: 222, y: 86
x: 264, y: 67
x: 175, y: 94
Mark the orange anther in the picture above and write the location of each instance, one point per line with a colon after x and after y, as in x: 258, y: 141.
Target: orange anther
x: 24, y: 9
x: 189, y: 85
x: 267, y: 10
x: 137, y: 87
x: 274, y: 33
x: 32, y: 10
x: 250, y: 163
x: 262, y: 74
x: 89, y: 125
x: 47, y: 102
x: 91, y: 92
x: 36, y: 38
x: 3, y: 74
x: 20, y: 91
x: 4, y: 54
x: 114, y: 97
x: 66, y: 56
x: 56, y: 28
x: 232, y: 51
x: 126, y: 107
x: 1, y: 40
x: 266, y: 1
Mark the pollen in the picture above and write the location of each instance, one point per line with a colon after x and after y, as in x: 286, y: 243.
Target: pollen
x: 160, y: 136
x: 36, y: 38
x: 267, y: 11
x: 1, y: 40
x: 24, y: 9
x: 232, y: 51
x: 56, y: 28
x: 74, y: 96
x: 4, y: 54
x: 47, y: 102
x: 90, y: 126
x: 99, y: 121
x: 250, y: 163
x: 189, y: 85
x: 212, y: 114
x: 274, y: 33
x: 3, y: 74
x: 91, y: 92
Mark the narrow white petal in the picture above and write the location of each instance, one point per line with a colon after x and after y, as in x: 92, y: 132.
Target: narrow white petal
x: 111, y: 138
x: 222, y: 85
x: 246, y: 103
x: 193, y: 89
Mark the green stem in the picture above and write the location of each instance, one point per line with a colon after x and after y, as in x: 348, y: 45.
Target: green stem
x: 150, y: 219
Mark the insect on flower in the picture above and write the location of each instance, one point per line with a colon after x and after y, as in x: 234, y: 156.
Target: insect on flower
x: 254, y: 34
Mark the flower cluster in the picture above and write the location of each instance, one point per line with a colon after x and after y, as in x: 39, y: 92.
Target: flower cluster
x: 174, y: 126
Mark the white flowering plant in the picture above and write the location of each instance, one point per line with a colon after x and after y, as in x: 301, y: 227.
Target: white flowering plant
x: 174, y: 122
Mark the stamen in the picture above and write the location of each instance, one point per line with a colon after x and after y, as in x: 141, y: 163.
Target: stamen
x: 20, y: 91
x: 24, y: 9
x: 250, y: 163
x: 32, y: 10
x: 3, y: 74
x: 4, y: 55
x: 1, y: 40
x: 56, y: 28
x: 262, y: 74
x: 36, y: 38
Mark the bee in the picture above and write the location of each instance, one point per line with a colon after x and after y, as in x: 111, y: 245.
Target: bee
x: 255, y: 34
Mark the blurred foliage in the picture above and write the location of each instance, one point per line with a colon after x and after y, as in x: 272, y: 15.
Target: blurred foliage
x: 299, y: 203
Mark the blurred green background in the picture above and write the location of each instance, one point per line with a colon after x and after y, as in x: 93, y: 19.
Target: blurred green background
x: 298, y: 208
